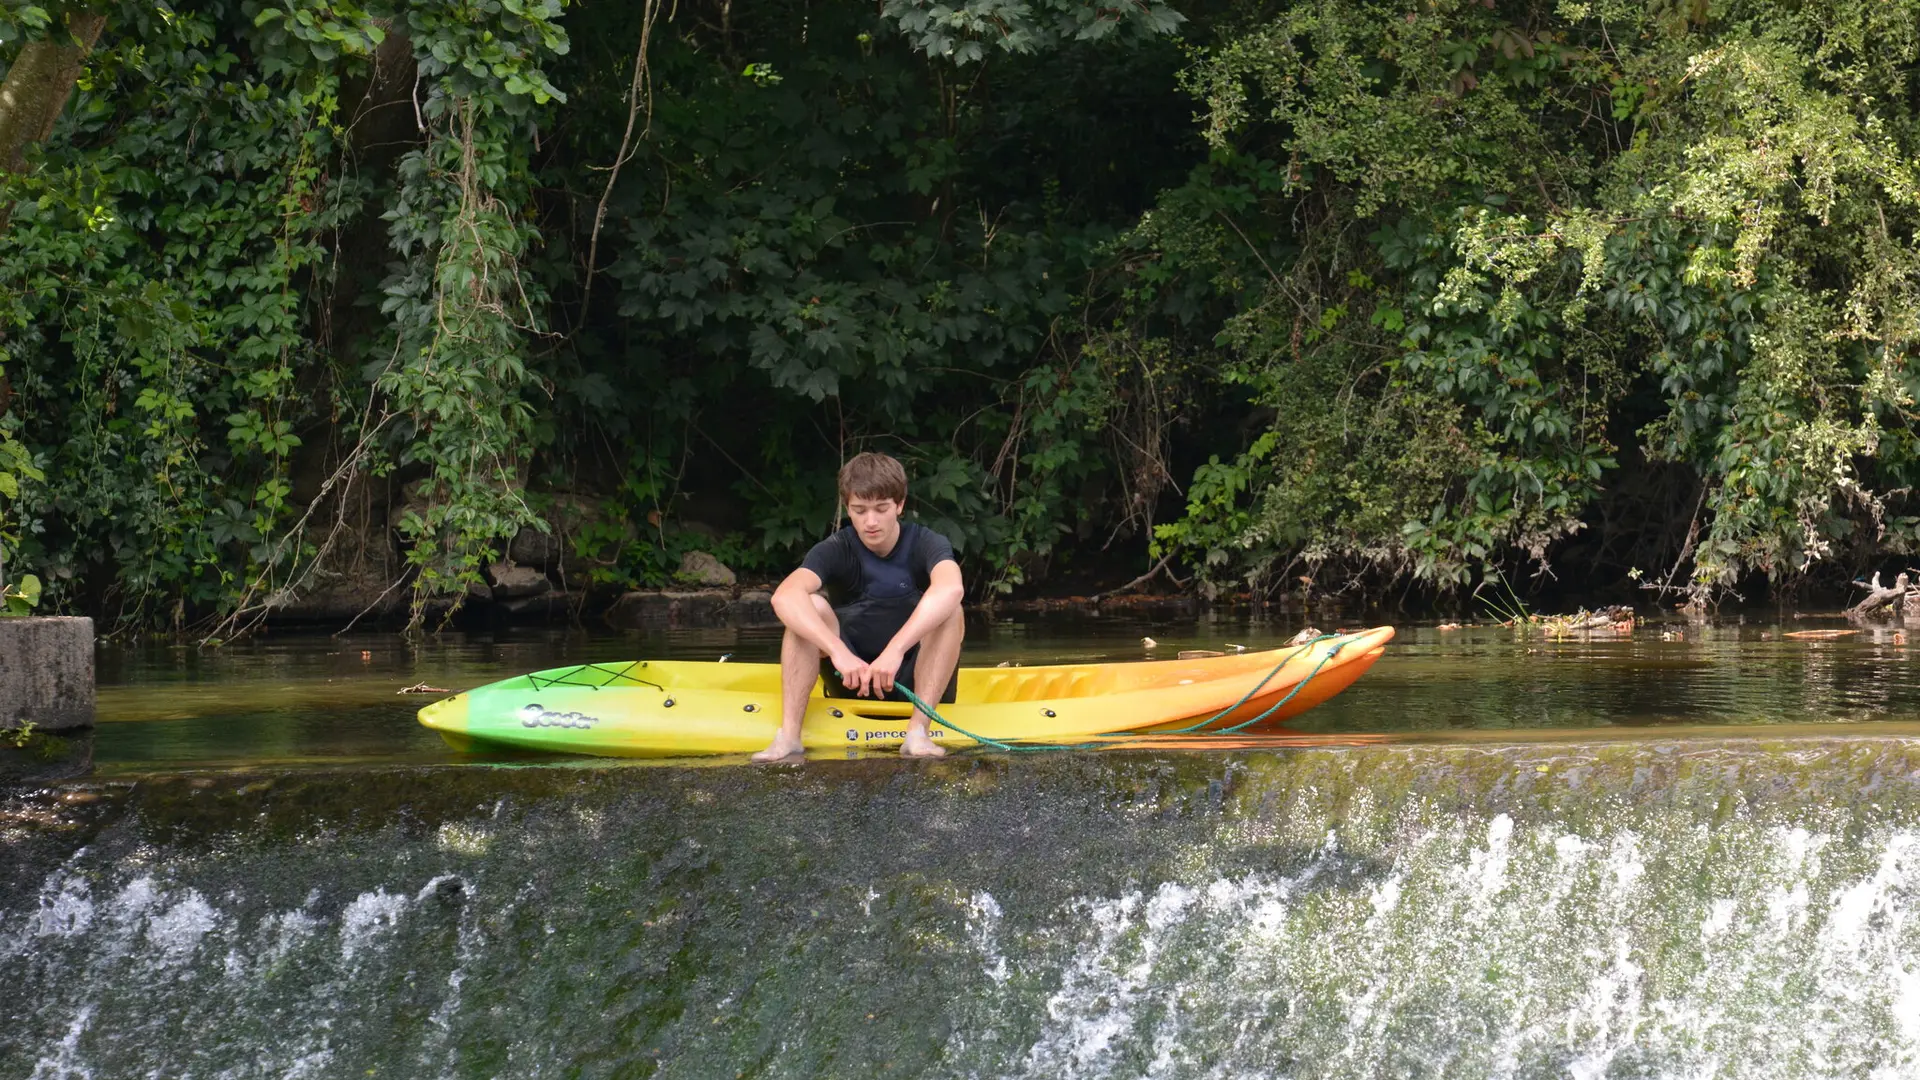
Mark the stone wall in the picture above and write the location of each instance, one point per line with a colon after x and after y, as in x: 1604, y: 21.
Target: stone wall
x: 696, y: 607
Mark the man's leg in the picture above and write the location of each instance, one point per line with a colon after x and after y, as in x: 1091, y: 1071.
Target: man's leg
x: 932, y: 671
x: 799, y: 668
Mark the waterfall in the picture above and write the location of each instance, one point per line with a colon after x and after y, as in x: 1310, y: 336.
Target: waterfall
x: 1656, y: 908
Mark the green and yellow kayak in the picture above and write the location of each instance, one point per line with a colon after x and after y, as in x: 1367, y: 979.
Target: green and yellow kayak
x: 655, y: 708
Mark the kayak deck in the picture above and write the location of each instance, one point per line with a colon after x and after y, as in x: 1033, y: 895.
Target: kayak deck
x: 672, y: 708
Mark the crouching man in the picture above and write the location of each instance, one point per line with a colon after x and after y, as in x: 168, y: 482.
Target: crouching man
x: 889, y: 616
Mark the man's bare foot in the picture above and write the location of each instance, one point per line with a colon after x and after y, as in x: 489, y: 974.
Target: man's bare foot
x: 918, y: 744
x: 783, y: 748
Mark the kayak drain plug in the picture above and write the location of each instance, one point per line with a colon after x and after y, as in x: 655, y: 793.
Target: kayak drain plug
x: 751, y: 707
x: 1050, y: 713
x: 667, y: 703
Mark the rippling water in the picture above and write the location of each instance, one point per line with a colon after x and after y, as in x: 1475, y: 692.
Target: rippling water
x: 318, y: 701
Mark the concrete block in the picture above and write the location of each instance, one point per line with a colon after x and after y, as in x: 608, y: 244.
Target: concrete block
x: 639, y: 610
x: 753, y: 608
x: 647, y: 609
x: 547, y: 605
x: 704, y: 607
x: 46, y: 672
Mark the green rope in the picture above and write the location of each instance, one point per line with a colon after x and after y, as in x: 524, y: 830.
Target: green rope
x: 914, y: 700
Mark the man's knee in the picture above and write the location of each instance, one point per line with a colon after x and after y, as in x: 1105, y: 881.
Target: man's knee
x: 822, y: 609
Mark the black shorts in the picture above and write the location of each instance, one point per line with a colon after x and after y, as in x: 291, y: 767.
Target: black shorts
x: 832, y: 687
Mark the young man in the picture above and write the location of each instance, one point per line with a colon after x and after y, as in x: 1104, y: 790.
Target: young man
x: 890, y: 613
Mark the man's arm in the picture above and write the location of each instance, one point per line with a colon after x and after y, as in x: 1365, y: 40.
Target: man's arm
x: 793, y: 605
x: 936, y: 606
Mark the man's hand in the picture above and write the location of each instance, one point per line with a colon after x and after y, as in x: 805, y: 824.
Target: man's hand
x: 854, y: 672
x: 883, y: 669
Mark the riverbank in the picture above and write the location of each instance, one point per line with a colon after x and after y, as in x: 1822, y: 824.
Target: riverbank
x: 690, y: 605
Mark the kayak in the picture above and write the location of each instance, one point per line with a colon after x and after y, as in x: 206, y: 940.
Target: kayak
x: 670, y: 708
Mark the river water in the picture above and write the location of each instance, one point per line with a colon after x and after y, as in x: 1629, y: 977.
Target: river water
x: 1498, y: 855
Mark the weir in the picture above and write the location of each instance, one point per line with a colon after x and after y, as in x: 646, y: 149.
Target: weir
x: 1660, y: 907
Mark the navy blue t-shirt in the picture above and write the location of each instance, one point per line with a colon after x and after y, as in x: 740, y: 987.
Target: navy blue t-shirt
x: 873, y: 597
x: 851, y: 573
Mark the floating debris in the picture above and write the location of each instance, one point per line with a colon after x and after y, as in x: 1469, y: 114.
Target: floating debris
x: 1304, y: 636
x: 1199, y: 654
x: 1149, y: 643
x: 1819, y: 635
x: 1611, y: 620
x: 423, y: 688
x: 1448, y: 626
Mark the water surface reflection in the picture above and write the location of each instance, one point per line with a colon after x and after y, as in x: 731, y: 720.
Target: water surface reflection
x: 294, y: 700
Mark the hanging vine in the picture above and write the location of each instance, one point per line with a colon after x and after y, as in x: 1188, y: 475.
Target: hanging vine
x: 462, y: 311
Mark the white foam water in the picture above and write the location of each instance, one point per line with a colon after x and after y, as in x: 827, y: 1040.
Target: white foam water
x: 280, y: 988
x: 1503, y: 950
x: 367, y: 919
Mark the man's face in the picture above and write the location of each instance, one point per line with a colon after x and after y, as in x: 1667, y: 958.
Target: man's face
x: 877, y: 521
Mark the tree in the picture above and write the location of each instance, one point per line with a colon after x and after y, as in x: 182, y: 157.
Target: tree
x: 38, y: 86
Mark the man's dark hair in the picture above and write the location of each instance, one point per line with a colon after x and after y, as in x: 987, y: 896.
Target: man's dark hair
x: 873, y: 476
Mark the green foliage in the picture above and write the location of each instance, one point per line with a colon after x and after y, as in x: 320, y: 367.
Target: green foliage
x: 16, y: 464
x: 1682, y: 228
x: 459, y: 308
x: 156, y: 327
x: 16, y: 467
x: 172, y: 251
x: 22, y: 20
x: 21, y: 597
x: 965, y: 30
x: 823, y: 244
x: 1439, y: 294
x: 869, y: 247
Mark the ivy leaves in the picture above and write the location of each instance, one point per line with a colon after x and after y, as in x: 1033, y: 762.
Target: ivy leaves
x: 846, y: 234
x: 490, y: 53
x: 16, y: 464
x: 21, y: 597
x: 1586, y: 231
x: 964, y: 31
x: 328, y: 30
x: 815, y: 287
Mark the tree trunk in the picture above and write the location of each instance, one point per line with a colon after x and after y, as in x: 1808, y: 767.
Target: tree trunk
x: 382, y: 122
x: 36, y: 91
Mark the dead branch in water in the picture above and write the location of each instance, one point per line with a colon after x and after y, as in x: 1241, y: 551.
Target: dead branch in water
x: 1881, y: 597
